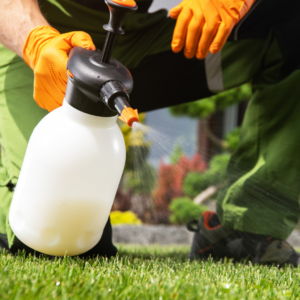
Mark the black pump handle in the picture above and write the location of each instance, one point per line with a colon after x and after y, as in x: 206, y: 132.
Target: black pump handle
x: 119, y: 9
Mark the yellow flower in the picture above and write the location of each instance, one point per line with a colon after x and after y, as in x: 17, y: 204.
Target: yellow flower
x: 127, y: 217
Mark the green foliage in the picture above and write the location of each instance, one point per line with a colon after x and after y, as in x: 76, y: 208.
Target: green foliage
x: 184, y: 210
x: 142, y: 272
x: 194, y: 183
x: 217, y: 168
x: 136, y: 157
x: 205, y: 107
x: 141, y: 180
x: 198, y: 109
x: 176, y: 154
x: 233, y: 96
x: 232, y: 138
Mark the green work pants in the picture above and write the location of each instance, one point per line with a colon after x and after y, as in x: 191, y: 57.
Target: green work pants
x: 262, y: 192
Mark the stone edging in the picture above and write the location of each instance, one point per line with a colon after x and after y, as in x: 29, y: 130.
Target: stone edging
x: 151, y: 234
x: 166, y: 235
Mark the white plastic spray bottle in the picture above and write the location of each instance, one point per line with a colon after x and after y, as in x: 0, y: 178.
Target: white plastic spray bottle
x: 76, y: 154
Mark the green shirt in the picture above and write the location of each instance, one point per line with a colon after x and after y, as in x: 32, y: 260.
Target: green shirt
x: 145, y: 33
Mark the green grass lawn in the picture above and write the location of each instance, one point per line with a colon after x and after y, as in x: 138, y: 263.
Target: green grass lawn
x: 143, y: 272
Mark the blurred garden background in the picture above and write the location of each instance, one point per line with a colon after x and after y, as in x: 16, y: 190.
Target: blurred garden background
x: 174, y: 171
x: 177, y: 165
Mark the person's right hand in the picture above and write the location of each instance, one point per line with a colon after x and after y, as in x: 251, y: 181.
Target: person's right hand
x: 204, y: 25
x: 46, y: 52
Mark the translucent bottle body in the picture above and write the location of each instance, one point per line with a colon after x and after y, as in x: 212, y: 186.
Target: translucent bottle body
x: 68, y: 181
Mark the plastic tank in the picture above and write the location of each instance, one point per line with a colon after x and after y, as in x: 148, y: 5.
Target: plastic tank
x: 68, y: 181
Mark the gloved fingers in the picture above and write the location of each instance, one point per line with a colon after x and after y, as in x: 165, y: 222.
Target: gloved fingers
x: 78, y: 39
x: 66, y: 42
x: 175, y: 11
x: 229, y: 19
x: 82, y: 39
x: 208, y: 33
x: 193, y: 34
x: 35, y: 41
x: 47, y: 94
x: 180, y: 30
x: 210, y: 28
x: 50, y: 73
x: 221, y: 37
x: 46, y: 52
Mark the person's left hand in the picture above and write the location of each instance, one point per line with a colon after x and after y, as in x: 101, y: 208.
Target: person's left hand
x: 46, y: 52
x: 204, y: 25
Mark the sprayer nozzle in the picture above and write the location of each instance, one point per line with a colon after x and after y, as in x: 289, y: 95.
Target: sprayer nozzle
x: 114, y: 95
x: 129, y: 116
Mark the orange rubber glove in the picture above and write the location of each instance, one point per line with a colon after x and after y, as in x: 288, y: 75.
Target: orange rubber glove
x: 204, y: 25
x: 46, y: 52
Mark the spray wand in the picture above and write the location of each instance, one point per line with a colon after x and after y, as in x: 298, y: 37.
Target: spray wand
x: 96, y: 78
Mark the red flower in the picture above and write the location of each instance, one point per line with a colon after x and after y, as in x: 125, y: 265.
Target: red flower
x: 170, y: 180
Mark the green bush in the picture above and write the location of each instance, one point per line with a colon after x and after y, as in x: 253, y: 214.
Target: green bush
x: 232, y: 138
x: 204, y: 108
x: 176, y: 154
x: 217, y: 168
x: 141, y: 180
x: 194, y: 183
x: 184, y: 210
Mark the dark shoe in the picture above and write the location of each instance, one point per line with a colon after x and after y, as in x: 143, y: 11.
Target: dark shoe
x: 279, y: 252
x: 212, y: 239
